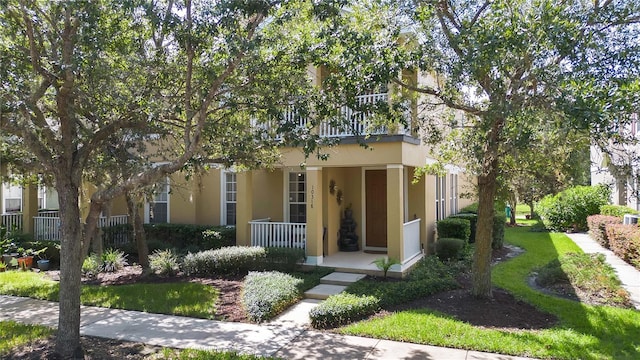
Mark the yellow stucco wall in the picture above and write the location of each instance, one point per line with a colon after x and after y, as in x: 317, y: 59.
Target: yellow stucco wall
x: 182, y: 199
x: 268, y: 194
x: 208, y: 197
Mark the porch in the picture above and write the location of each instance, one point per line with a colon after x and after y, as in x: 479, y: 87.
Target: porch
x: 46, y: 226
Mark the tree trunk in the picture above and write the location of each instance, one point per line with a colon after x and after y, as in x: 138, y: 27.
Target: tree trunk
x: 138, y: 232
x: 481, y: 268
x: 68, y: 339
x: 91, y: 231
x: 531, y: 210
x: 514, y: 204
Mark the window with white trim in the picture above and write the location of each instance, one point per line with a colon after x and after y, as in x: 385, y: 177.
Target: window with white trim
x: 441, y: 197
x: 230, y: 198
x: 12, y: 198
x: 297, y: 197
x: 158, y: 209
x: 453, y: 193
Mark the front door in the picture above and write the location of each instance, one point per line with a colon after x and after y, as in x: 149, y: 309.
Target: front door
x: 376, y: 208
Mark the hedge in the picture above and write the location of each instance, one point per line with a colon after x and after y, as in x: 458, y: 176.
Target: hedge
x: 227, y: 260
x: 266, y: 294
x: 473, y: 223
x: 454, y: 228
x: 449, y: 248
x: 342, y: 309
x: 569, y: 209
x: 499, y: 219
x: 624, y: 241
x: 617, y: 210
x: 597, y: 227
x: 183, y: 237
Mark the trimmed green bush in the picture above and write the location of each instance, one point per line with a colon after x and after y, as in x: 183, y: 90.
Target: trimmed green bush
x: 617, y: 210
x: 449, y: 248
x: 624, y: 241
x: 164, y: 262
x: 227, y: 260
x: 183, y: 237
x: 342, y: 309
x: 454, y: 228
x: 499, y: 219
x: 266, y: 294
x: 471, y: 209
x: 473, y: 222
x: 597, y: 227
x: 569, y: 209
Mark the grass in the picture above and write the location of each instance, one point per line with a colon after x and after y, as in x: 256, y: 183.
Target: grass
x: 584, y: 332
x: 14, y: 334
x: 189, y: 354
x: 587, y: 272
x: 186, y: 299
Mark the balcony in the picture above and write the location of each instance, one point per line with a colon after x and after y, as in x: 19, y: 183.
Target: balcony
x: 357, y: 123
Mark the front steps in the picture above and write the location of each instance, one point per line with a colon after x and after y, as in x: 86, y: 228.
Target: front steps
x: 332, y: 284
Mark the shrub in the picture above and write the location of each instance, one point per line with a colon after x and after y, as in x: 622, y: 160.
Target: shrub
x: 499, y: 220
x: 113, y: 260
x: 617, y: 210
x: 164, y: 262
x: 91, y: 266
x: 182, y: 237
x: 597, y: 227
x: 228, y: 260
x: 428, y: 277
x: 449, y: 248
x: 266, y: 294
x: 473, y: 222
x: 624, y: 241
x: 342, y: 309
x: 471, y: 209
x: 454, y: 228
x: 282, y: 259
x: 569, y: 209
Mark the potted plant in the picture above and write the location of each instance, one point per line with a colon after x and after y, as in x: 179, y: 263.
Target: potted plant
x: 43, y: 260
x: 25, y: 262
x: 9, y: 251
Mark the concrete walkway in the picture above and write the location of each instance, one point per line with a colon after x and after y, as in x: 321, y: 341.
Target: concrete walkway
x: 279, y: 339
x: 629, y: 276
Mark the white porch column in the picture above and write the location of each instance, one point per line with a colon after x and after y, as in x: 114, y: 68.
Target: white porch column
x: 314, y: 215
x: 395, y: 211
x: 244, y: 207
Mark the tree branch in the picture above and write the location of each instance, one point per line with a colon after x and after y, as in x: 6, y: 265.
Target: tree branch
x: 447, y: 100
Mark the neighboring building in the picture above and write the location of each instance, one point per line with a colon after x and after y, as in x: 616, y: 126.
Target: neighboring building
x: 619, y: 167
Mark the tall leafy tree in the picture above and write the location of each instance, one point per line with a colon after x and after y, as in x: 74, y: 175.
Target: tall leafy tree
x: 179, y: 83
x: 512, y: 65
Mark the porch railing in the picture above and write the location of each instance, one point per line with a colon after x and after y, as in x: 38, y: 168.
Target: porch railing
x: 49, y: 213
x: 11, y: 222
x: 411, y: 239
x: 278, y: 234
x: 48, y: 227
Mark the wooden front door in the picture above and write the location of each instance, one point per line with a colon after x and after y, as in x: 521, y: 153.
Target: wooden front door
x: 376, y: 207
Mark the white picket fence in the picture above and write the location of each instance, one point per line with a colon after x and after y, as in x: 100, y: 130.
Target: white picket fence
x: 278, y: 234
x: 411, y: 238
x: 11, y: 222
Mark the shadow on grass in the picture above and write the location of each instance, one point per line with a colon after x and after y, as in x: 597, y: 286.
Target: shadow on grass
x: 584, y: 331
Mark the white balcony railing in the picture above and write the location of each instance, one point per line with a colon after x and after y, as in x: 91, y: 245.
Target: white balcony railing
x: 411, y: 240
x: 11, y: 222
x: 113, y: 220
x: 278, y: 234
x: 49, y: 213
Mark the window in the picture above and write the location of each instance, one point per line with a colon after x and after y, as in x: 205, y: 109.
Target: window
x: 441, y: 196
x: 453, y: 193
x: 230, y: 198
x: 12, y: 198
x: 158, y: 209
x: 297, y: 198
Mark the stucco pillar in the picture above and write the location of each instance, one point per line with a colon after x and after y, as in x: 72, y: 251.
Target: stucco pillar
x: 244, y: 207
x: 395, y: 211
x: 314, y: 215
x: 29, y: 206
x: 3, y: 175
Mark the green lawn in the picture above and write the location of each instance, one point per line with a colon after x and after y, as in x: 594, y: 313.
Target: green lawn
x: 186, y: 299
x: 584, y: 332
x: 13, y: 334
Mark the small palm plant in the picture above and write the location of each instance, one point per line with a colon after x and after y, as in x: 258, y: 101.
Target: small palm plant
x: 385, y: 264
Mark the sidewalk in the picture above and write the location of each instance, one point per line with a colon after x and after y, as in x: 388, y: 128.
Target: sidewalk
x: 276, y: 339
x: 629, y: 276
